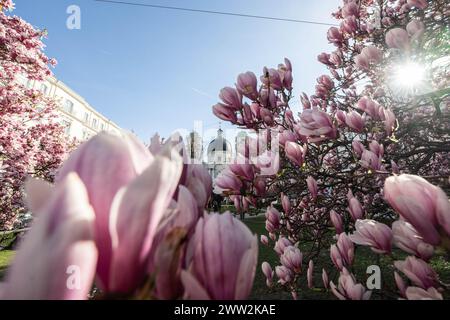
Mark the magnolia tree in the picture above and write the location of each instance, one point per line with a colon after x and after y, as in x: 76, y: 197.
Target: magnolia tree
x: 31, y: 140
x: 365, y: 163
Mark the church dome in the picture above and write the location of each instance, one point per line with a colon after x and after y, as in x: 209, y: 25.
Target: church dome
x: 219, y: 144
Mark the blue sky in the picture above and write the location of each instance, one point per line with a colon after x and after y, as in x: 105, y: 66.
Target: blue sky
x: 153, y: 70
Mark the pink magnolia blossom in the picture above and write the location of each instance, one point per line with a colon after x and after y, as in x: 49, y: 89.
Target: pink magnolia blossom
x: 134, y: 184
x: 362, y: 62
x: 389, y: 120
x: 273, y: 217
x: 397, y: 38
x: 421, y: 4
x: 295, y: 152
x: 418, y: 271
x: 342, y: 253
x: 272, y: 78
x: 284, y: 274
x: 374, y: 234
x: 400, y: 283
x: 336, y: 59
x: 349, y: 25
x: 266, y: 116
x: 224, y: 112
x: 369, y: 55
x: 335, y: 36
x: 407, y: 239
x: 369, y: 106
x: 310, y: 272
x: 346, y: 249
x: 221, y: 259
x: 281, y: 244
x: 323, y: 58
x: 394, y: 167
x: 423, y: 205
x: 292, y: 258
x: 415, y: 29
x: 373, y: 53
x: 59, y: 246
x: 264, y: 240
x: 354, y: 121
x: 287, y: 136
x: 260, y: 186
x: 326, y: 81
x: 325, y: 280
x: 358, y: 147
x: 268, y: 162
x: 286, y: 204
x: 376, y: 148
x: 246, y: 85
x: 416, y: 293
x: 242, y: 169
x: 199, y: 183
x: 350, y: 9
x: 285, y: 71
x: 370, y: 160
x: 268, y: 98
x: 231, y: 98
x: 228, y: 181
x: 336, y: 219
x: 340, y: 116
x: 287, y: 80
x: 354, y: 207
x: 317, y: 125
x: 348, y: 289
x: 304, y: 99
x: 268, y: 273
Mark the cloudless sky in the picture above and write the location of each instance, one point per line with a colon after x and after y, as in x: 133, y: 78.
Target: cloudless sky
x: 153, y: 70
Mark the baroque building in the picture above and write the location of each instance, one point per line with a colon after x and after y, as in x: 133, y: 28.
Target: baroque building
x: 219, y: 151
x: 219, y: 154
x: 80, y: 119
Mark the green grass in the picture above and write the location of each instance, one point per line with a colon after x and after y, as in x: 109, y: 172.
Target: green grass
x: 5, y: 259
x: 260, y: 290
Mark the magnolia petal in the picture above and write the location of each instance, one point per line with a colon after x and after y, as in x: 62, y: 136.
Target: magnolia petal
x: 192, y: 288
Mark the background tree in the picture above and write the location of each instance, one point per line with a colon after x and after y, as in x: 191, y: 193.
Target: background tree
x: 32, y: 142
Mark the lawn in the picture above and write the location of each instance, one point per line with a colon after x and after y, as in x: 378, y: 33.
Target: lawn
x: 5, y: 259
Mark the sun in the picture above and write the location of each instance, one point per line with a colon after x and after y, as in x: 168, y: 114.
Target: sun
x: 408, y: 78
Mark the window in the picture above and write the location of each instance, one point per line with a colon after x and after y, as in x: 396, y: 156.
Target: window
x: 68, y: 106
x: 86, y: 117
x: 66, y: 124
x: 94, y: 123
x: 102, y: 126
x: 44, y: 89
x: 85, y: 134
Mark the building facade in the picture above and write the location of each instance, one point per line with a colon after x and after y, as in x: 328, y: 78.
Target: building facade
x: 80, y: 120
x: 219, y: 154
x: 219, y: 151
